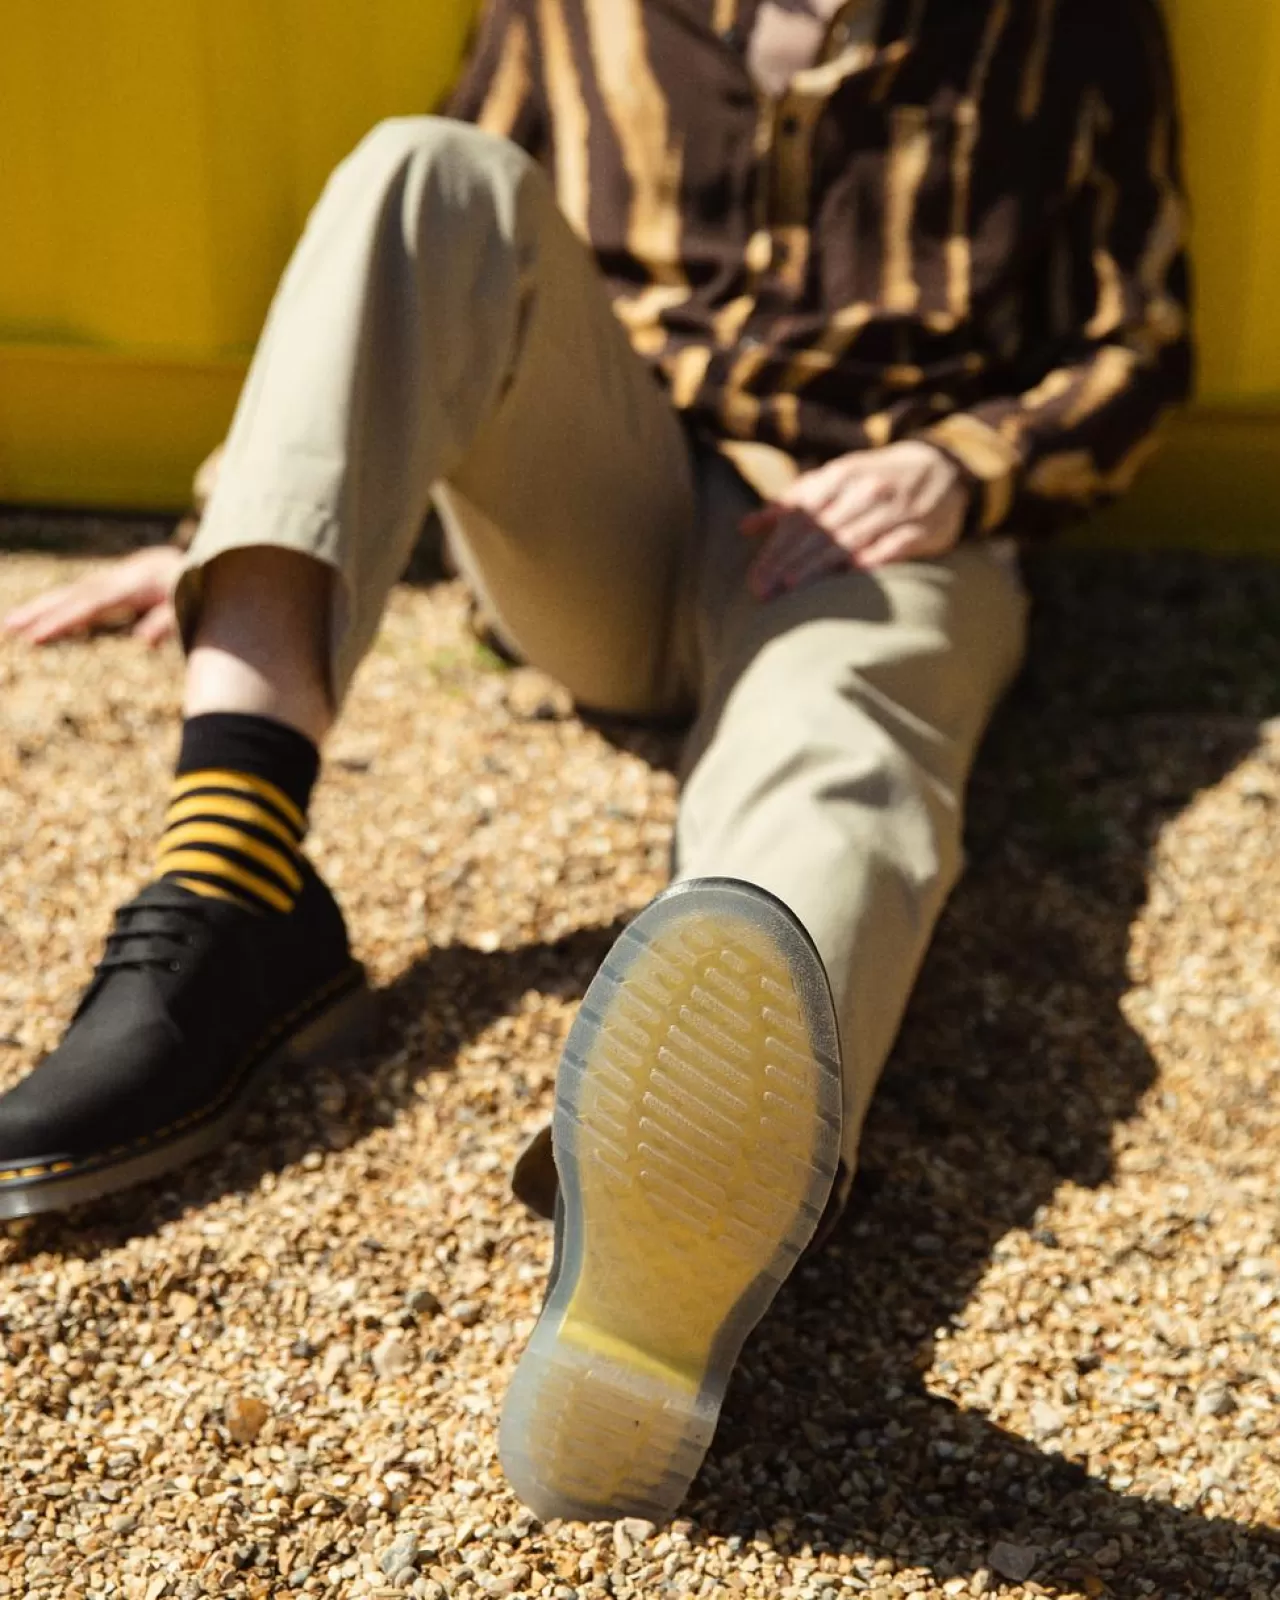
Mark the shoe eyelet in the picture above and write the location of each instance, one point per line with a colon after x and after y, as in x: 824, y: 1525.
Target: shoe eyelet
x: 175, y: 966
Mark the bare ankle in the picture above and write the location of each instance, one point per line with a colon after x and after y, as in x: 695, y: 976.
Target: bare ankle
x: 261, y: 643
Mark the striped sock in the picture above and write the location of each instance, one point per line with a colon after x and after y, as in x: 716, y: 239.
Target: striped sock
x: 238, y: 811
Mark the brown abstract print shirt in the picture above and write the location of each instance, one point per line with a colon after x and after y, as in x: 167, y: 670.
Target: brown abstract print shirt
x: 965, y: 225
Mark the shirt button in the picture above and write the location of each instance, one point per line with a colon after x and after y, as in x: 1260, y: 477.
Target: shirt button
x: 790, y: 125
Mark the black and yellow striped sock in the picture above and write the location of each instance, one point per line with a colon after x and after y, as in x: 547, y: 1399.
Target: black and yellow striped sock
x: 238, y: 810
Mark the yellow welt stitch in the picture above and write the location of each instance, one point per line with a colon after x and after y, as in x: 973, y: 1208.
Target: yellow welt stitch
x: 13, y: 1174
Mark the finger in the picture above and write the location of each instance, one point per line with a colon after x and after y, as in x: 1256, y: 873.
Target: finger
x: 794, y: 531
x: 818, y: 560
x: 910, y: 541
x: 757, y: 523
x: 159, y: 624
x: 71, y: 611
x: 21, y: 617
x: 795, y: 549
x: 861, y: 497
x: 854, y: 532
x: 104, y: 600
x: 933, y: 537
x: 812, y: 491
x: 32, y: 611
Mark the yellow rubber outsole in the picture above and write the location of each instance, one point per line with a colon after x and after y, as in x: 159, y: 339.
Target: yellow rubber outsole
x: 696, y: 1135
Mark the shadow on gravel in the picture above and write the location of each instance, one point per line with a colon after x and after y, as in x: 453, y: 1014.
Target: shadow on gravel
x: 424, y: 1018
x: 1146, y: 681
x: 1145, y: 684
x: 55, y: 531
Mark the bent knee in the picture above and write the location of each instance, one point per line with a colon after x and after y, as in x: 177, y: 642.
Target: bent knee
x: 397, y: 143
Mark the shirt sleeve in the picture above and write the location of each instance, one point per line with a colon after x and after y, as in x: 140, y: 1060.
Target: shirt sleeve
x: 1077, y: 439
x: 499, y: 88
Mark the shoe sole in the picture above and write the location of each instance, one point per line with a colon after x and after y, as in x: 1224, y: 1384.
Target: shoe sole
x: 331, y: 1029
x: 696, y: 1135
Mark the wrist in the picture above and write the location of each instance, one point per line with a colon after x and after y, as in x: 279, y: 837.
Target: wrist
x: 988, y: 465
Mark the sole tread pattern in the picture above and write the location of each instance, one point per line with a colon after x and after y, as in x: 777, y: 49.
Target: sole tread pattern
x: 696, y: 1135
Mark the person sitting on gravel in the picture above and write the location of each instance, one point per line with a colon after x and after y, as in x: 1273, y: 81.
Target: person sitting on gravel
x: 730, y: 338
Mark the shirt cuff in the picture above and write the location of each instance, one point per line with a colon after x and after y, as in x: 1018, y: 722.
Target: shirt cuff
x: 990, y: 462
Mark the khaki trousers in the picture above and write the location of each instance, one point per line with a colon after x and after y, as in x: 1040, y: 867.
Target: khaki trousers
x: 442, y: 335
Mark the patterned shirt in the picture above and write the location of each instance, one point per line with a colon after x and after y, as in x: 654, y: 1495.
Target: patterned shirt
x: 964, y: 224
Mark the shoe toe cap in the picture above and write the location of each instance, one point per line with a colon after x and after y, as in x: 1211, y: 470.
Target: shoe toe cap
x: 34, y: 1127
x: 91, y: 1093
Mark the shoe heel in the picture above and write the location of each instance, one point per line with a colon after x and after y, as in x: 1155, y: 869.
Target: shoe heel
x: 582, y: 1429
x: 345, y: 1029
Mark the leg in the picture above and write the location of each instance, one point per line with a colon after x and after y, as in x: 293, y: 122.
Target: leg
x: 698, y: 1126
x: 269, y: 658
x: 439, y: 324
x: 828, y: 763
x: 440, y: 330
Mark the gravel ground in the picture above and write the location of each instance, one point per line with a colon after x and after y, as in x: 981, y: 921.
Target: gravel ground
x: 1042, y: 1355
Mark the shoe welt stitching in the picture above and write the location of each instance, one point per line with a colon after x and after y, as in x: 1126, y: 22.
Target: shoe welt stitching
x: 280, y: 1026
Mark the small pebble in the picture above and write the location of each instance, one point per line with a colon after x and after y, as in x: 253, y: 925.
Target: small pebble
x: 245, y: 1416
x: 183, y: 1306
x: 1215, y: 1400
x: 393, y: 1357
x: 401, y: 1554
x: 1013, y: 1561
x: 1046, y: 1420
x: 336, y: 1357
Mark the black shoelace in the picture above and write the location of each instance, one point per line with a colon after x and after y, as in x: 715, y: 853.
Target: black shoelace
x: 154, y: 933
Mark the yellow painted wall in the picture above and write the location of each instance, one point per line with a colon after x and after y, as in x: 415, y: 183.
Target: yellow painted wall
x: 158, y: 157
x: 1229, y: 60
x: 1217, y: 482
x: 157, y: 161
